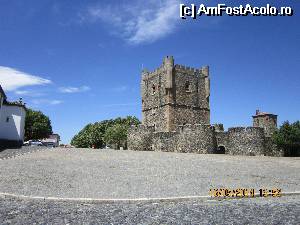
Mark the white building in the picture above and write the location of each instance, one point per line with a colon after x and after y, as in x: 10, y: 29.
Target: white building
x: 12, y: 122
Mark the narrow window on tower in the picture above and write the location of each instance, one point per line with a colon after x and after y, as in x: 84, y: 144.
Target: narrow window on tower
x: 153, y: 89
x: 187, y: 86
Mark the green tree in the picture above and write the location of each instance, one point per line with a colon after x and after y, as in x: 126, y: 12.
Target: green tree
x: 287, y: 137
x: 81, y: 140
x: 37, y: 125
x: 94, y: 134
x: 116, y: 135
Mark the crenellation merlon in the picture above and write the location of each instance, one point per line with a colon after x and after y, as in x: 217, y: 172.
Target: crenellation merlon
x: 153, y: 73
x: 204, y: 71
x: 188, y: 70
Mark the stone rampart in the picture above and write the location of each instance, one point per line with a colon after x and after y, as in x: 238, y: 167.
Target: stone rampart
x: 140, y: 137
x: 246, y: 141
x: 222, y: 140
x: 203, y: 139
x: 196, y: 138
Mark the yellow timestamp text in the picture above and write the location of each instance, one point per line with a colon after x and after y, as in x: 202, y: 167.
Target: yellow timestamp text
x: 244, y: 192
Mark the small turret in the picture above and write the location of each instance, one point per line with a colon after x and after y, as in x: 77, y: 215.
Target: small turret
x: 168, y: 64
x: 268, y: 121
x: 145, y: 73
x: 205, y: 71
x: 168, y: 60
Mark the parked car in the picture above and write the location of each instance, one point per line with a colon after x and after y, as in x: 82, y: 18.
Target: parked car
x: 26, y: 143
x: 33, y: 143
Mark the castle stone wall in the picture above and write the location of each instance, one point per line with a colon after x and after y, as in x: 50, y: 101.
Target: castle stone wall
x: 188, y: 138
x: 183, y: 115
x: 196, y: 138
x: 222, y: 140
x: 203, y: 139
x: 140, y: 138
x: 192, y: 106
x: 156, y: 117
x: 165, y: 141
x: 246, y: 141
x: 166, y: 100
x: 187, y: 97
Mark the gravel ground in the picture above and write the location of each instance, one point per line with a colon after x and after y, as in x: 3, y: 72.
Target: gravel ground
x: 91, y: 173
x: 11, y: 153
x: 284, y: 210
x: 126, y: 174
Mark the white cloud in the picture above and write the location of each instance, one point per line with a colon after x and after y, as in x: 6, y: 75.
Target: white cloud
x: 22, y: 92
x: 28, y: 93
x: 142, y: 21
x: 74, y: 89
x: 46, y: 102
x: 12, y: 79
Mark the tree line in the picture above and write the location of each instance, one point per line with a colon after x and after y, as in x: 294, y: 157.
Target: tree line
x: 287, y: 137
x: 108, y: 132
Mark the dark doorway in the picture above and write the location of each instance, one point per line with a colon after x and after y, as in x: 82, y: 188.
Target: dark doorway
x: 221, y: 150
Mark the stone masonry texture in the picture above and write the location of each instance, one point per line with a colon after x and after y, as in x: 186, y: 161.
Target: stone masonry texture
x: 176, y: 117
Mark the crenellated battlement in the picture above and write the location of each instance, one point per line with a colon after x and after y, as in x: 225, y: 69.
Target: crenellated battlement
x: 149, y: 74
x: 193, y: 127
x: 193, y: 71
x: 141, y: 127
x: 169, y: 62
x: 187, y: 69
x: 179, y: 68
x: 245, y: 129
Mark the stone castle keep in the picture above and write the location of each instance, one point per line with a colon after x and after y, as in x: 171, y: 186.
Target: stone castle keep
x: 176, y: 117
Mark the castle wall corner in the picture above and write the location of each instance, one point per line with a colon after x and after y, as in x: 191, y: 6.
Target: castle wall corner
x: 246, y: 141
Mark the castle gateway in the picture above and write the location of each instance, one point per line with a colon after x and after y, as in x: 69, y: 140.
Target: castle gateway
x: 176, y: 117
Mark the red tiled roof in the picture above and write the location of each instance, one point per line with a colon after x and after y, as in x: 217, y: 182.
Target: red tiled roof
x: 264, y: 114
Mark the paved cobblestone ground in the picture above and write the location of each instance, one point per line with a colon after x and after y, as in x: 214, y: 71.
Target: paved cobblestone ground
x: 91, y: 173
x: 284, y: 210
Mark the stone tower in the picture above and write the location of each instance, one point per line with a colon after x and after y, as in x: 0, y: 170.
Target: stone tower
x: 174, y: 95
x: 267, y: 121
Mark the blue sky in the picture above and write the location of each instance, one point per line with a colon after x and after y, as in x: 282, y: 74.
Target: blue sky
x: 80, y: 61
